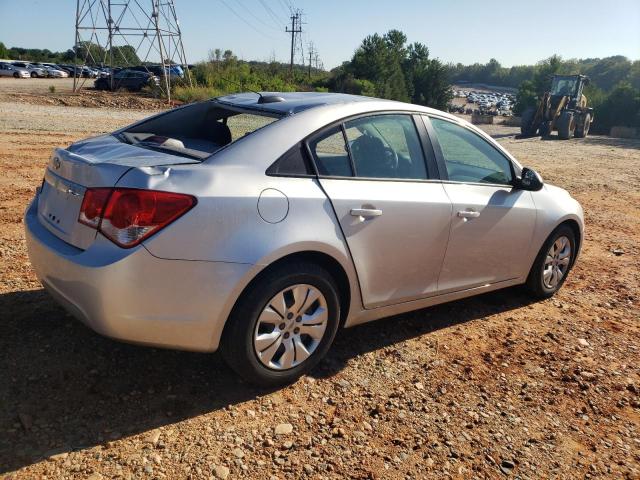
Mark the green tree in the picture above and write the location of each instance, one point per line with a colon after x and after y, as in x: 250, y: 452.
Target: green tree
x: 621, y: 107
x: 124, y: 55
x: 398, y: 71
x: 90, y: 53
x: 525, y: 98
x: 545, y: 69
x: 427, y: 78
x: 4, y: 52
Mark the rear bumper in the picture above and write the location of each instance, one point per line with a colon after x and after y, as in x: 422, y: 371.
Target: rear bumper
x: 131, y: 295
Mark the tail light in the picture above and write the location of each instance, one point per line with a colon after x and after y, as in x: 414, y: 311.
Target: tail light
x: 127, y: 216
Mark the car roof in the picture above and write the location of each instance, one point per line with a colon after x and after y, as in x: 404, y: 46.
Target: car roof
x: 288, y: 103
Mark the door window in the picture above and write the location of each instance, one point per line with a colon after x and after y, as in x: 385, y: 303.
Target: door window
x: 386, y: 146
x: 470, y: 158
x: 330, y: 153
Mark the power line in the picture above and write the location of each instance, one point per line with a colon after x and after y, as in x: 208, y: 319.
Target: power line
x: 271, y: 13
x: 258, y: 18
x: 244, y: 20
x: 286, y: 7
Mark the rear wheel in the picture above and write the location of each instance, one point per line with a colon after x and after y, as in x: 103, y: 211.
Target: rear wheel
x: 526, y: 122
x: 582, y: 130
x: 551, y: 266
x: 566, y: 125
x: 282, y: 325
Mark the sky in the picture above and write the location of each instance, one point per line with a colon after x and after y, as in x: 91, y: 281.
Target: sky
x: 514, y: 32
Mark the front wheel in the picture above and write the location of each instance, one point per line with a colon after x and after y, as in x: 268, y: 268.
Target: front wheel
x: 551, y: 266
x: 566, y: 125
x: 282, y: 325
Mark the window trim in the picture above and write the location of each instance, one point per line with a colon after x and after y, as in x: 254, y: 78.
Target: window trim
x: 304, y: 151
x: 442, y: 166
x: 429, y: 160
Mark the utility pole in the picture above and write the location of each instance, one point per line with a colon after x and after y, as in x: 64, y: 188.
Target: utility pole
x: 312, y: 52
x: 296, y: 27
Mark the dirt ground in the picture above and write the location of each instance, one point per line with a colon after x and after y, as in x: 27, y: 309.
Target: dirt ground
x: 489, y: 387
x: 37, y: 91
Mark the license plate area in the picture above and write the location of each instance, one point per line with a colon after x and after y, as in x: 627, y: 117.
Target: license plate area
x: 59, y: 204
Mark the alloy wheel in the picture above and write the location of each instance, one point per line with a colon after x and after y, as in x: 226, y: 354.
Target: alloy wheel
x: 290, y: 327
x: 557, y: 262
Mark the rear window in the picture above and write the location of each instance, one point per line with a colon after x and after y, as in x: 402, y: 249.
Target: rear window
x: 245, y: 123
x: 196, y: 131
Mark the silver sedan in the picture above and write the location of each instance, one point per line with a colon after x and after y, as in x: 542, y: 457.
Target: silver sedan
x: 9, y: 70
x: 258, y: 224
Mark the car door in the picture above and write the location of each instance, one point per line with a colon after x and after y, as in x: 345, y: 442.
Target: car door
x: 394, y: 215
x: 120, y: 79
x: 492, y: 223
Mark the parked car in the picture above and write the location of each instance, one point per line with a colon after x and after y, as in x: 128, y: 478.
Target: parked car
x: 71, y: 69
x: 54, y: 71
x: 260, y: 224
x: 127, y: 79
x: 34, y: 71
x: 9, y: 70
x: 174, y: 71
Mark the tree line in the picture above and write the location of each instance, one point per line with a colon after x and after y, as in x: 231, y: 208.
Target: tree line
x: 387, y: 66
x: 95, y: 54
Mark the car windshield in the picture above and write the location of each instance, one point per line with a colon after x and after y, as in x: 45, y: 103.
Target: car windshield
x: 196, y: 131
x: 563, y: 86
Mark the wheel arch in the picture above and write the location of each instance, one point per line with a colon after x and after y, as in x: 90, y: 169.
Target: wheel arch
x: 331, y: 264
x: 577, y: 232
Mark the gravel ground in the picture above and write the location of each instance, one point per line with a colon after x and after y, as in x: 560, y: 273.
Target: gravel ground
x: 489, y: 387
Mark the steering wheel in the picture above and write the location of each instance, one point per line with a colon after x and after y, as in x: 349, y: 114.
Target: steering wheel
x: 391, y: 157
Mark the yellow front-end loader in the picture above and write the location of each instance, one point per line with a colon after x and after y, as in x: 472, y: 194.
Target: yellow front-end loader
x: 563, y: 108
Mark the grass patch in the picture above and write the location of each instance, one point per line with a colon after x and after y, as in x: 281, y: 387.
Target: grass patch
x: 195, y: 94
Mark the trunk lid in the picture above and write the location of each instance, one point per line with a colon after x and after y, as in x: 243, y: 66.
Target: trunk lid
x: 96, y: 162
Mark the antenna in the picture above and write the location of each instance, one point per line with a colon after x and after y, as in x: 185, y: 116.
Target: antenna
x: 129, y: 33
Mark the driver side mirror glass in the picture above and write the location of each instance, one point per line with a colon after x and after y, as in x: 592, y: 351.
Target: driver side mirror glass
x: 529, y: 180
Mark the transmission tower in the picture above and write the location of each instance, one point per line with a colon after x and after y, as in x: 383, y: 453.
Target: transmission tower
x: 128, y: 32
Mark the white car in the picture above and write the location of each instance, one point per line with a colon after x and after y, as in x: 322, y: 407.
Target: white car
x: 8, y: 70
x: 34, y: 70
x: 55, y: 72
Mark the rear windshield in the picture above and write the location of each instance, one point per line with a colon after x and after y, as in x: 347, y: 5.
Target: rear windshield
x: 197, y: 130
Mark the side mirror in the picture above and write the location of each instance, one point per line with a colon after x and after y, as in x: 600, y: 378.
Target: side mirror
x: 529, y: 180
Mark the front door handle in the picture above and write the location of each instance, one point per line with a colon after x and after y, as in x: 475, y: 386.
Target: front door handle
x: 366, y: 212
x: 468, y: 214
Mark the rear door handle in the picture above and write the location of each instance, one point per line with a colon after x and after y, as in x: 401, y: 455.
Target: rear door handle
x: 366, y: 212
x: 468, y: 214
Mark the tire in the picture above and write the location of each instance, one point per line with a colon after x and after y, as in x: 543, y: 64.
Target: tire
x: 34, y: 74
x: 582, y: 130
x: 539, y: 286
x: 566, y: 125
x: 525, y: 122
x: 254, y: 313
x: 545, y: 129
x: 16, y: 75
